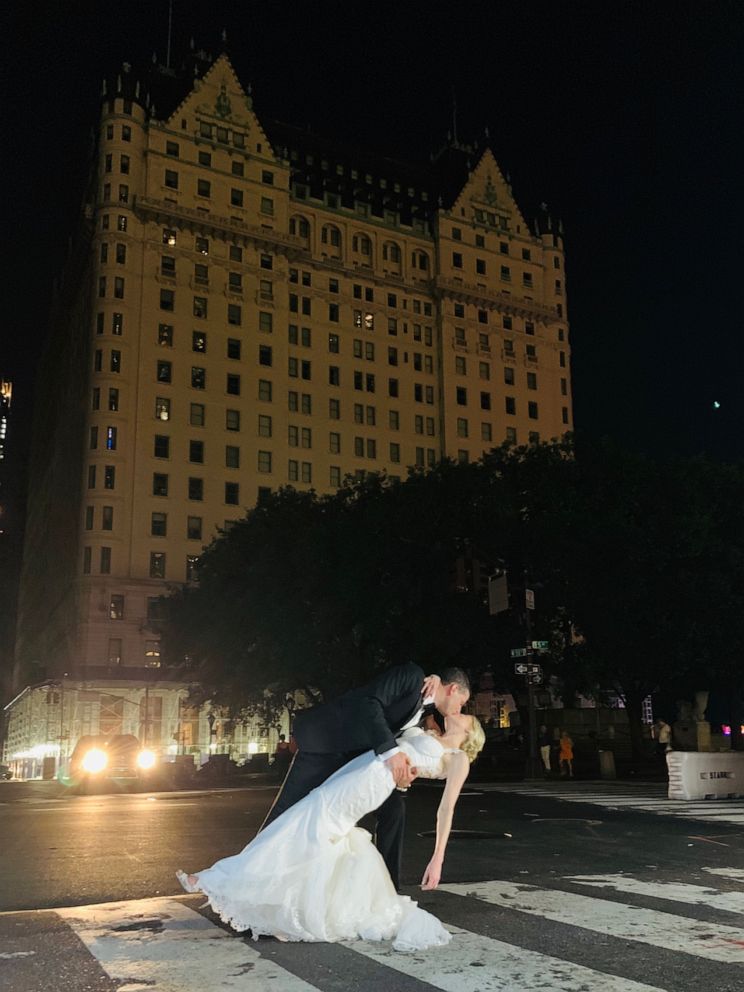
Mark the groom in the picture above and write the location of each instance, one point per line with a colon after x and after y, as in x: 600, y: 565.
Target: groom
x: 369, y: 719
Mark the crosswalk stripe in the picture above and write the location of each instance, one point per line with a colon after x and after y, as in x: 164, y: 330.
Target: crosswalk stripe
x: 735, y: 873
x: 685, y: 892
x: 473, y: 963
x: 164, y: 945
x: 715, y: 942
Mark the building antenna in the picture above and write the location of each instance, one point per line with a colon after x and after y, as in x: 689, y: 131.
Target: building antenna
x: 170, y: 30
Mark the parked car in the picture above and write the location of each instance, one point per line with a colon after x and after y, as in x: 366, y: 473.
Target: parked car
x: 5, y: 773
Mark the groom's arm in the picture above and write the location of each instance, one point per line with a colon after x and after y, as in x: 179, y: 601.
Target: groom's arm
x: 396, y: 684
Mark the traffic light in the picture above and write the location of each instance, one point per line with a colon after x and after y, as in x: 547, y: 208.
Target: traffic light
x: 498, y: 593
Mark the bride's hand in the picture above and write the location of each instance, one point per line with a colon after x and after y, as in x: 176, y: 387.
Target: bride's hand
x: 431, y: 684
x: 432, y: 874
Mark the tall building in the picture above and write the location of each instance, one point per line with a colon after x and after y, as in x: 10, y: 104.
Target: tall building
x: 249, y: 306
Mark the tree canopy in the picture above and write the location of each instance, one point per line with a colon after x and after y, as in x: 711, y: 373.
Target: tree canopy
x: 638, y: 567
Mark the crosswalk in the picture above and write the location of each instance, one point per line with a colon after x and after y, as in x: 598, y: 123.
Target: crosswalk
x: 618, y: 932
x: 646, y: 798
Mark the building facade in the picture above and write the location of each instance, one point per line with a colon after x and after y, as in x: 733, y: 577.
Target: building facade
x: 248, y: 306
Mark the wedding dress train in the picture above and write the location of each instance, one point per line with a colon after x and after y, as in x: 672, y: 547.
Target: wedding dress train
x: 313, y: 875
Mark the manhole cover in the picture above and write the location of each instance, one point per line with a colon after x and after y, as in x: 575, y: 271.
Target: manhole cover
x: 468, y: 834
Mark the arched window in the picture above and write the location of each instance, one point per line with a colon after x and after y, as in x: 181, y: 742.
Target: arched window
x: 420, y: 260
x: 391, y: 252
x: 300, y: 227
x: 330, y: 235
x: 361, y: 245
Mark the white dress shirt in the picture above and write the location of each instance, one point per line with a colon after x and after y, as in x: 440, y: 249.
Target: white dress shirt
x: 407, y: 726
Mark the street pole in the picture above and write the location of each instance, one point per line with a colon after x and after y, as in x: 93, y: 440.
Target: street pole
x: 532, y: 764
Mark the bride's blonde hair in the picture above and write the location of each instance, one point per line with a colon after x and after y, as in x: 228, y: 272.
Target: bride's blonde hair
x: 473, y: 743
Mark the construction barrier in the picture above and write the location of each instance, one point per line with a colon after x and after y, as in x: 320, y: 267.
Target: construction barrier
x: 700, y: 775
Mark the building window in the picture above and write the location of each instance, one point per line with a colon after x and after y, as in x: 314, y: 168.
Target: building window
x: 114, y: 651
x: 109, y: 477
x: 532, y: 410
x: 564, y: 414
x: 107, y: 518
x: 159, y: 525
x: 171, y: 179
x: 462, y: 427
x: 197, y: 414
x: 334, y: 375
x: 159, y: 484
x: 264, y: 461
x: 264, y: 425
x: 232, y: 456
x: 105, y: 561
x: 334, y: 409
x: 198, y: 377
x: 236, y: 197
x: 335, y: 476
x: 200, y: 306
x: 233, y: 384
x: 165, y: 335
x: 199, y: 341
x: 486, y: 432
x: 532, y: 380
x: 264, y: 390
x: 196, y: 452
x: 201, y: 245
x: 267, y: 206
x: 510, y: 405
x: 265, y: 355
x: 111, y: 435
x: 456, y: 260
x: 233, y: 348
x: 461, y: 396
x: 196, y: 488
x: 232, y: 493
x: 167, y: 299
x: 161, y: 448
x: 485, y: 401
x: 203, y: 187
x: 194, y: 528
x: 157, y: 564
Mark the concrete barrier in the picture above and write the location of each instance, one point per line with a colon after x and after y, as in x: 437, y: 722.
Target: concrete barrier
x: 700, y: 775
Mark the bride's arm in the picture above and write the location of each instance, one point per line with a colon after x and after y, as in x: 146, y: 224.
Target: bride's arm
x: 458, y: 767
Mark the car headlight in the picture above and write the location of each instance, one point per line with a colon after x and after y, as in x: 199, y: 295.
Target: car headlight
x: 94, y: 760
x: 146, y: 759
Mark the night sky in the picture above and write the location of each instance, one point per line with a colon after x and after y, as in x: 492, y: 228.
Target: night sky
x: 625, y: 118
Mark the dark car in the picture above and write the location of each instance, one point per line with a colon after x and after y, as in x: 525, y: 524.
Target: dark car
x: 5, y: 773
x: 103, y: 762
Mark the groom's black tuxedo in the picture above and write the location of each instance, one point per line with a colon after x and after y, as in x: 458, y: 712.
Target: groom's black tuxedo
x: 365, y: 719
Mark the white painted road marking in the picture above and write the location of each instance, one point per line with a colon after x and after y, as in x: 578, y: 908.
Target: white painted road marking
x: 162, y: 944
x: 472, y: 963
x: 712, y: 941
x: 695, y: 895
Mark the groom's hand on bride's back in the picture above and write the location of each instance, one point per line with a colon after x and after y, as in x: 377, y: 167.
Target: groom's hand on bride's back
x: 402, y: 770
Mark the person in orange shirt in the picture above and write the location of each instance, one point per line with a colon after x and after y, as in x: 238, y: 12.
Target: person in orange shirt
x: 565, y: 755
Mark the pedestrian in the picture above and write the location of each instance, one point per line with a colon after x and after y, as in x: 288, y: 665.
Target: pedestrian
x: 565, y: 754
x: 663, y: 735
x: 282, y: 757
x: 545, y: 741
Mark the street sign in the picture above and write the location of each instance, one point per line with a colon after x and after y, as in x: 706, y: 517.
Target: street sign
x: 540, y: 645
x: 535, y: 679
x: 520, y: 668
x: 534, y: 669
x: 529, y: 599
x: 518, y: 652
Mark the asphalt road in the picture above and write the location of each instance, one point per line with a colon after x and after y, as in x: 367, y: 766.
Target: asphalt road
x: 80, y: 850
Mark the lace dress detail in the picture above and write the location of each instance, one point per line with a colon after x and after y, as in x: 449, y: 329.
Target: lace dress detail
x: 313, y: 875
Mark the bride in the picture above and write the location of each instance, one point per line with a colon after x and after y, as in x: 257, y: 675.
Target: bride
x: 313, y: 875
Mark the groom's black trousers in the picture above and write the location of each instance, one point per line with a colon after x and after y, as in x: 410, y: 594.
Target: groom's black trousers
x: 309, y: 770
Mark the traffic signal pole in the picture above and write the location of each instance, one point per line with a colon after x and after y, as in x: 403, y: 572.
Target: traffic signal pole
x: 532, y: 761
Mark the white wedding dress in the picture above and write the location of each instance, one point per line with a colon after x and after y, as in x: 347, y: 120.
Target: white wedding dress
x: 313, y: 875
